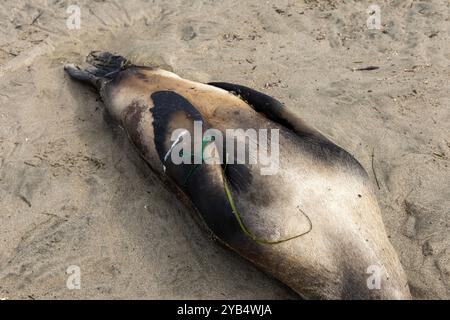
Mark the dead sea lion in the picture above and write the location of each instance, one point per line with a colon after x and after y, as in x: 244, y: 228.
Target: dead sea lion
x: 315, y: 224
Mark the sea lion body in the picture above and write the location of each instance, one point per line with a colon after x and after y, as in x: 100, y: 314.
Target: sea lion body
x: 319, y: 190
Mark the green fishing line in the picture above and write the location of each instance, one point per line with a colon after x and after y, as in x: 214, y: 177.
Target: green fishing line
x: 236, y: 213
x: 245, y: 229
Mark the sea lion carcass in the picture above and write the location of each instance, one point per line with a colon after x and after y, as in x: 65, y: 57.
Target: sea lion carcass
x: 319, y: 191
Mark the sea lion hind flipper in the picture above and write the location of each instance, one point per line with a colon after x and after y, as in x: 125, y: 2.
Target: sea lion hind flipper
x: 103, y: 66
x: 82, y: 75
x: 271, y: 108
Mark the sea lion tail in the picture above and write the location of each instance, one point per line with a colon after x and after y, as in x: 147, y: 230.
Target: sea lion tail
x: 104, y: 66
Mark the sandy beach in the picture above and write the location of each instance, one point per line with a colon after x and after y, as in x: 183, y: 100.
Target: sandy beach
x: 73, y: 192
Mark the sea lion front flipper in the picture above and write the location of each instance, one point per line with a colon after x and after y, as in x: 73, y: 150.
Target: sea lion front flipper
x: 82, y: 75
x: 202, y: 183
x: 271, y: 108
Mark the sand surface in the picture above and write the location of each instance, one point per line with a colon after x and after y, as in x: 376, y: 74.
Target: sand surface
x: 73, y: 191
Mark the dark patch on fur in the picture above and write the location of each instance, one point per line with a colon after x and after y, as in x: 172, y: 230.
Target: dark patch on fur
x: 261, y: 197
x: 201, y: 187
x: 131, y: 119
x: 239, y: 177
x: 141, y: 76
x: 354, y: 286
x: 165, y: 105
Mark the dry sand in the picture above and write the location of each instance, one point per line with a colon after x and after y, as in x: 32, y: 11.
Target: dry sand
x: 73, y: 192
